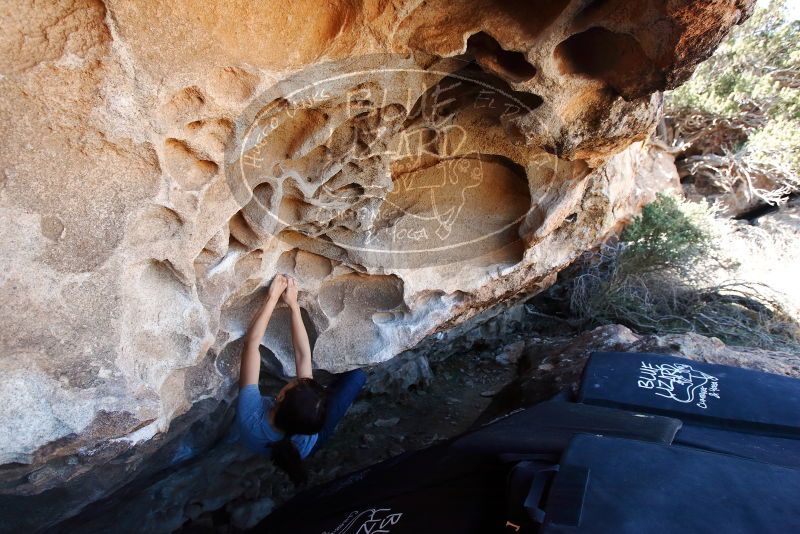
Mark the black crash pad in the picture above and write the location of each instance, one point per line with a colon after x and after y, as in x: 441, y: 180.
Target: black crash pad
x: 717, y: 396
x: 632, y: 486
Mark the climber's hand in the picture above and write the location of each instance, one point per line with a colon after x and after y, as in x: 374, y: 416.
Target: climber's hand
x: 277, y: 287
x: 290, y: 295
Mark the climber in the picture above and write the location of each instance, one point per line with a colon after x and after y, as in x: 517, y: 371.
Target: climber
x: 304, y: 414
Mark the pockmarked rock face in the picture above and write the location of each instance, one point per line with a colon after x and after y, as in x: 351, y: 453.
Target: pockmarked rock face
x: 410, y: 163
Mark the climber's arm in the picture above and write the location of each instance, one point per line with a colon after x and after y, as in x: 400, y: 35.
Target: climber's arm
x: 302, y: 347
x: 251, y: 359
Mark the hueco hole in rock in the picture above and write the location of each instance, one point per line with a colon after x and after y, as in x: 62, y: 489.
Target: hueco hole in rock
x: 402, y: 221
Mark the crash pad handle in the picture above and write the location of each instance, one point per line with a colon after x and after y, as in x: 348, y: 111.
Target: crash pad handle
x: 533, y: 501
x: 567, y: 494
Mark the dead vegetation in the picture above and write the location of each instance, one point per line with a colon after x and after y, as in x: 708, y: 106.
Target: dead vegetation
x: 656, y: 279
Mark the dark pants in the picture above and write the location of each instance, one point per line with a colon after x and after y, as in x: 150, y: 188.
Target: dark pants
x: 341, y: 395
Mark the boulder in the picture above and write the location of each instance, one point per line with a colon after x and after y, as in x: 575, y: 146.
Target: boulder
x: 403, y: 373
x: 247, y: 514
x: 511, y: 353
x: 410, y: 163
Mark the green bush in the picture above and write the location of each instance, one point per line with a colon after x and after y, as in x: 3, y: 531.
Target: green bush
x: 756, y: 69
x: 667, y: 235
x: 751, y: 84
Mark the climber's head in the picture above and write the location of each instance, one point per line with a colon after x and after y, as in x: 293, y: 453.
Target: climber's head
x: 300, y: 407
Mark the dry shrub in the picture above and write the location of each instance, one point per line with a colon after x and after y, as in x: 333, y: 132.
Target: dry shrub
x: 724, y: 152
x: 736, y: 122
x: 653, y: 280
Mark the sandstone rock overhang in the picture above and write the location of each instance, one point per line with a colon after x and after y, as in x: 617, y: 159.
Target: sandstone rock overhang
x: 505, y: 133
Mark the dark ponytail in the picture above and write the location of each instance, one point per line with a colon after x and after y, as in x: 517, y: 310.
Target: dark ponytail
x: 287, y: 457
x: 301, y: 411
